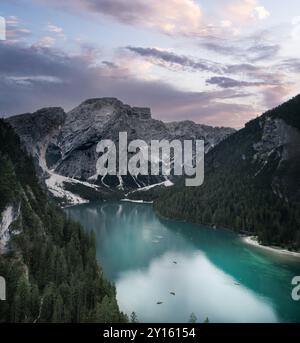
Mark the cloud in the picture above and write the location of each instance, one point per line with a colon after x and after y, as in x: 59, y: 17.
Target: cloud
x: 226, y: 23
x: 32, y: 77
x: 291, y: 65
x: 270, y: 90
x: 264, y: 81
x: 173, y: 17
x: 270, y: 83
x: 249, y: 49
x: 15, y: 31
x: 182, y: 17
x: 274, y: 96
x: 226, y: 82
x: 174, y: 61
x: 30, y: 80
x: 245, y: 11
x: 261, y: 12
x: 295, y: 33
x: 46, y: 42
x: 219, y: 47
x: 262, y: 52
x: 12, y: 20
x: 54, y: 28
x: 110, y: 64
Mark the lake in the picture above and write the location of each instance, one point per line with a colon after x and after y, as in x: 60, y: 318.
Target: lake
x: 212, y: 273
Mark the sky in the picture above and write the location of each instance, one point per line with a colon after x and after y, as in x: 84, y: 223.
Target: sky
x: 216, y: 62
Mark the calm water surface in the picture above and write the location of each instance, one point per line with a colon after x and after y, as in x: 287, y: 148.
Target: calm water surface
x: 212, y: 272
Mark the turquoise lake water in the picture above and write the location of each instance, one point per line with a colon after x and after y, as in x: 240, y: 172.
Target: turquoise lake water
x: 213, y: 273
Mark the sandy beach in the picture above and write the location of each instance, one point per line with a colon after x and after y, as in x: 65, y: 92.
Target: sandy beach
x: 252, y: 240
x: 137, y: 201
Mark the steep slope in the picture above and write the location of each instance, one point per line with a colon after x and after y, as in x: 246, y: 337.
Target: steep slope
x: 48, y: 261
x: 65, y: 144
x: 252, y: 181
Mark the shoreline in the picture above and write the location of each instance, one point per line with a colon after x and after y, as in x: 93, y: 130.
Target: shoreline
x: 251, y: 240
x: 136, y: 201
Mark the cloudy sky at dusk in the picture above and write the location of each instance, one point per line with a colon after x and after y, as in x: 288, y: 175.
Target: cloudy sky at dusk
x: 219, y: 62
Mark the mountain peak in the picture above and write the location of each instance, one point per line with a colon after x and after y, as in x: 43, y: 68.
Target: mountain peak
x: 68, y: 144
x: 98, y: 103
x: 105, y: 100
x: 48, y: 112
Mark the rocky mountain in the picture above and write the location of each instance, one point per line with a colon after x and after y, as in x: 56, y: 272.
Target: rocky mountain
x: 64, y: 144
x: 37, y: 131
x: 252, y: 181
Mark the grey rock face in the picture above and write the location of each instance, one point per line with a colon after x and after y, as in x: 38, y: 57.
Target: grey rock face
x: 66, y: 142
x: 189, y: 130
x: 37, y: 131
x: 34, y: 127
x: 276, y: 136
x: 279, y: 151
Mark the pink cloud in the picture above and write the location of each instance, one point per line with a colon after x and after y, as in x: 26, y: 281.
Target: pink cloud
x: 170, y: 17
x: 246, y: 11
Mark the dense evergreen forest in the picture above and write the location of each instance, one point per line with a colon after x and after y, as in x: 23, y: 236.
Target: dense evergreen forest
x: 50, y: 264
x: 241, y: 192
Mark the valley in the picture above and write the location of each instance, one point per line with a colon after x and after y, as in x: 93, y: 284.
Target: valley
x: 161, y: 244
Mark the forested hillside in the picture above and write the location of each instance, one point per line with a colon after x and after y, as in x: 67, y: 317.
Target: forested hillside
x: 252, y: 181
x: 47, y: 260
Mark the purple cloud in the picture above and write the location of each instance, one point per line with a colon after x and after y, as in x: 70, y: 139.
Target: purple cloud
x: 252, y: 53
x: 31, y: 78
x: 226, y: 82
x: 183, y: 17
x: 170, y: 60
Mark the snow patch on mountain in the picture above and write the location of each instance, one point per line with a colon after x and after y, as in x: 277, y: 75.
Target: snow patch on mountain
x: 55, y: 184
x: 8, y: 216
